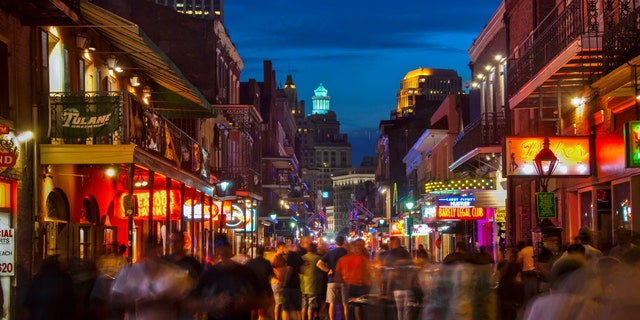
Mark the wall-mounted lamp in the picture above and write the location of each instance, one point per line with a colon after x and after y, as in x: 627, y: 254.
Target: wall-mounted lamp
x: 146, y: 92
x: 110, y: 172
x: 135, y: 81
x: 91, y: 46
x: 578, y: 101
x: 25, y: 136
x: 112, y: 62
x: 82, y: 40
x: 140, y: 182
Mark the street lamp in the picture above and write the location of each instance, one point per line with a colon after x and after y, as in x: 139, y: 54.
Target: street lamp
x: 408, y: 222
x: 546, y: 162
x: 274, y: 221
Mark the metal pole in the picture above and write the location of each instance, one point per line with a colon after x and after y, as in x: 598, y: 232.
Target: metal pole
x: 130, y: 216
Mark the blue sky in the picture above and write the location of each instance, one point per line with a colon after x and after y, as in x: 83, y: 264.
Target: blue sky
x: 359, y: 50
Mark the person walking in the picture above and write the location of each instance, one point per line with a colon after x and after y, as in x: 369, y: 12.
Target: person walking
x: 311, y: 283
x: 263, y: 270
x: 291, y: 293
x: 279, y: 265
x: 50, y: 293
x: 527, y: 269
x: 353, y: 271
x: 401, y: 278
x: 585, y: 237
x: 328, y: 264
x: 227, y: 290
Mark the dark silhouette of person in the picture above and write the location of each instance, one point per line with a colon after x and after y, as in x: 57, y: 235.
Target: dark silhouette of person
x: 50, y: 293
x: 227, y: 289
x: 460, y: 255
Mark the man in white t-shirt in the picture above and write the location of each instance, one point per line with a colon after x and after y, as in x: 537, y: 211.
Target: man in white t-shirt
x: 528, y: 269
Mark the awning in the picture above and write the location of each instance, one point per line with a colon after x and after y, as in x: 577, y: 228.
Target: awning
x: 105, y: 154
x: 471, y: 154
x: 175, y: 97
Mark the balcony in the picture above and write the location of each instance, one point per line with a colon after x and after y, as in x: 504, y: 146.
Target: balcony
x: 113, y: 127
x: 622, y: 31
x: 562, y: 54
x: 487, y: 131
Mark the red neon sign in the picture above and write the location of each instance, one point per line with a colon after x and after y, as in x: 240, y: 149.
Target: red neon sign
x: 160, y: 199
x: 461, y: 213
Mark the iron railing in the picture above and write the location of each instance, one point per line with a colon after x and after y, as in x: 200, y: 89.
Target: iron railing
x: 488, y: 130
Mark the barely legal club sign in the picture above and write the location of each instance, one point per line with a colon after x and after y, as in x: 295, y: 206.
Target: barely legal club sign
x: 458, y: 208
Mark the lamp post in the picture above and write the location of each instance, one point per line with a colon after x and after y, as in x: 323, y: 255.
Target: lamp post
x: 408, y: 222
x: 545, y: 162
x: 274, y: 221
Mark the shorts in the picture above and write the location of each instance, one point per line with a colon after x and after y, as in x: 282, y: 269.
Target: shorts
x: 334, y: 293
x: 310, y: 301
x: 291, y: 299
x: 277, y: 293
x: 350, y: 291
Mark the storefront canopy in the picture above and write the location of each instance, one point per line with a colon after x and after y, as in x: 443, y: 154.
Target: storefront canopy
x: 175, y: 96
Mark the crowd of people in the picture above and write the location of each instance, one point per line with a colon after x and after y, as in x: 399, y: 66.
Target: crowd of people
x: 310, y: 281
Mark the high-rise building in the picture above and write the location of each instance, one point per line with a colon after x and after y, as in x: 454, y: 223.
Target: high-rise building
x: 196, y: 8
x: 424, y: 85
x: 322, y: 149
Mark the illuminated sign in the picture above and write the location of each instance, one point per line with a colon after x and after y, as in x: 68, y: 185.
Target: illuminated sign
x: 160, y: 199
x: 455, y: 201
x: 632, y: 144
x: 8, y: 149
x: 197, y: 209
x: 461, y: 213
x: 458, y: 208
x: 240, y: 220
x: 573, y: 155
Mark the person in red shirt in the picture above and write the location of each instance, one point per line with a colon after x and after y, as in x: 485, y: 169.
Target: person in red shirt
x: 354, y: 272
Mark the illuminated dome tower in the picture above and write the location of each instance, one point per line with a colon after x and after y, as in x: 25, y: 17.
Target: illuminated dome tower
x: 427, y: 85
x: 321, y: 101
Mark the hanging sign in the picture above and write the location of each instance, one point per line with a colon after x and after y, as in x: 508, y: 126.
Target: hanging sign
x: 546, y: 202
x: 572, y: 152
x: 8, y: 149
x: 7, y: 257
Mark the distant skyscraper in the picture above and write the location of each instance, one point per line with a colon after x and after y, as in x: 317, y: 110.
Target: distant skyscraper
x: 425, y: 85
x: 196, y: 8
x: 321, y: 101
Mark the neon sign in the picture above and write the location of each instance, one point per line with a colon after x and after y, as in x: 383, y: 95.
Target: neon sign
x: 160, y: 199
x: 573, y: 155
x: 632, y: 144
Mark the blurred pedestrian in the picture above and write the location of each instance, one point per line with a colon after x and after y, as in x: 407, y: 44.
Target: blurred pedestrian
x: 109, y: 266
x: 311, y: 283
x: 291, y: 292
x: 585, y: 237
x: 528, y: 269
x: 263, y: 270
x: 328, y: 264
x: 354, y: 272
x: 83, y: 274
x: 510, y: 290
x: 227, y: 290
x: 421, y: 253
x: 279, y: 265
x: 623, y: 243
x: 50, y: 293
x: 481, y: 257
x: 151, y: 288
x: 401, y: 278
x: 566, y: 299
x: 459, y: 255
x: 178, y: 255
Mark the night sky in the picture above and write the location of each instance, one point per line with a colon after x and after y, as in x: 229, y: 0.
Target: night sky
x: 359, y: 50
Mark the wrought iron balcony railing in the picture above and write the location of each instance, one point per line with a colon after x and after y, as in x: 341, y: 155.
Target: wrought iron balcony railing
x: 621, y: 34
x: 550, y: 38
x: 489, y: 130
x: 121, y: 118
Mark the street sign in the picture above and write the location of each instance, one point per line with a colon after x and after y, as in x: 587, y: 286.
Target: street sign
x: 546, y: 202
